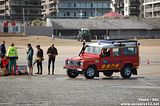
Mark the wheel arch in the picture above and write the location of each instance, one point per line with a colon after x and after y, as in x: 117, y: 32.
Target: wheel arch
x: 92, y: 65
x: 128, y: 64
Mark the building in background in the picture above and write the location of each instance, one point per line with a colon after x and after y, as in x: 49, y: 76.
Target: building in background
x: 75, y: 8
x: 151, y: 8
x: 49, y: 8
x: 83, y: 8
x: 18, y: 9
x: 118, y: 6
x: 141, y: 8
x: 128, y: 7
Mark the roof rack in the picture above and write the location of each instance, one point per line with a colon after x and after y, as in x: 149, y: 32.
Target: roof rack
x: 117, y: 41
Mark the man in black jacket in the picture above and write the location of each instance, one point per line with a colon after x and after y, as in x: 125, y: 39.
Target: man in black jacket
x: 3, y: 49
x: 39, y: 59
x: 52, y: 53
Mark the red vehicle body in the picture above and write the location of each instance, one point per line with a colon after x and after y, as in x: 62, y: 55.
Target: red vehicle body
x: 106, y: 56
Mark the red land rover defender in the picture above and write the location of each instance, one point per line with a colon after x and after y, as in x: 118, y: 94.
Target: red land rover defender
x: 105, y: 56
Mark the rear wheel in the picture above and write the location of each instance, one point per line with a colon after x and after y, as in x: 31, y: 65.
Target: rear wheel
x: 81, y: 39
x: 126, y: 71
x: 72, y: 73
x: 90, y: 73
x: 78, y: 39
x: 88, y: 39
x: 108, y: 73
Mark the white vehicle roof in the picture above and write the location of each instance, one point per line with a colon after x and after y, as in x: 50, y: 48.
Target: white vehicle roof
x: 115, y: 43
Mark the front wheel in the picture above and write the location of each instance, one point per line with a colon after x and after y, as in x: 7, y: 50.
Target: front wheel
x: 126, y: 71
x: 72, y: 73
x: 90, y: 73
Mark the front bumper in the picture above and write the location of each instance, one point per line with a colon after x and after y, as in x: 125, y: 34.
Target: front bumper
x: 72, y: 68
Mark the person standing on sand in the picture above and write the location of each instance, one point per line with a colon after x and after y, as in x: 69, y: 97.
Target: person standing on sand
x: 12, y: 54
x: 39, y: 59
x: 52, y: 53
x: 53, y: 37
x: 30, y: 53
x: 3, y: 49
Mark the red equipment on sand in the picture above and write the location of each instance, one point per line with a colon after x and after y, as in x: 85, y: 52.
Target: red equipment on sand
x: 20, y: 70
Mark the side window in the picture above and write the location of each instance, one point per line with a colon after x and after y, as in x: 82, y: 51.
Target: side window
x: 116, y: 52
x: 130, y: 51
x: 106, y: 52
x: 96, y: 50
x: 88, y: 50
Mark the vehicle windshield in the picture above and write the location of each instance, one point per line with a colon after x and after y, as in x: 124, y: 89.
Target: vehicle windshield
x: 92, y: 50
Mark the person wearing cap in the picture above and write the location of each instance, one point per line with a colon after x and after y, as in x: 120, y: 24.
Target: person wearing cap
x: 30, y: 53
x: 52, y: 53
x: 39, y: 59
x: 12, y: 54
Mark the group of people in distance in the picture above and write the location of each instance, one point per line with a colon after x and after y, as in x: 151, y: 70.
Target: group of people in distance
x: 11, y: 55
x: 51, y: 52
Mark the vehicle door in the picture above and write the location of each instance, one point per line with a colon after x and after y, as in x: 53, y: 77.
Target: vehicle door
x: 131, y: 55
x: 117, y: 58
x: 105, y: 60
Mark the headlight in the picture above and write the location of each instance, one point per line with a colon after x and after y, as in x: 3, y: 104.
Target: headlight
x: 80, y: 63
x: 67, y: 61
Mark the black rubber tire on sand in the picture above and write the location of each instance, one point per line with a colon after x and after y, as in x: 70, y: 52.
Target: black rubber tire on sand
x: 90, y: 73
x: 72, y: 73
x: 126, y: 72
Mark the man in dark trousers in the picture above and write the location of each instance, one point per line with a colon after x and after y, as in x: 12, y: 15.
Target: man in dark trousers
x: 39, y: 59
x: 52, y: 53
x: 3, y: 49
x: 30, y: 53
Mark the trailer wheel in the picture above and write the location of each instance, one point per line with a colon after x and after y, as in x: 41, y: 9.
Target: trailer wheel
x: 126, y: 72
x: 90, y: 73
x: 72, y: 73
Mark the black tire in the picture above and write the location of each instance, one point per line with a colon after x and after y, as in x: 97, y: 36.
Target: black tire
x: 81, y: 39
x: 88, y: 39
x: 72, y: 73
x: 78, y: 39
x: 90, y: 73
x: 108, y: 73
x: 126, y: 72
